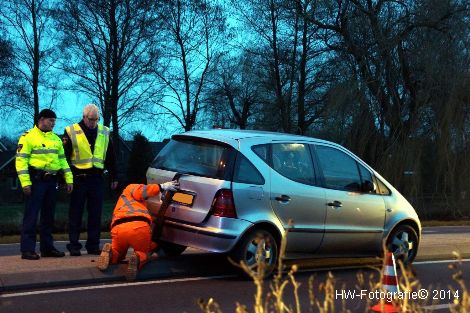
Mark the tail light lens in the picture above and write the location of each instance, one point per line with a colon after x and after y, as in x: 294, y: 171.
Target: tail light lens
x: 223, y: 204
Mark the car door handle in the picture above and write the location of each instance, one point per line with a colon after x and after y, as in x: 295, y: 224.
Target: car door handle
x: 283, y: 198
x: 335, y: 203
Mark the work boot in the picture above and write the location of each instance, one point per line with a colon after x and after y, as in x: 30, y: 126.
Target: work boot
x: 105, y: 257
x: 53, y: 253
x: 133, y: 267
x: 30, y: 255
x: 75, y: 252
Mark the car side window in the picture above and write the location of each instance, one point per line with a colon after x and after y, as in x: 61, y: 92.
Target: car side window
x: 294, y: 161
x: 381, y: 188
x: 366, y: 179
x: 246, y: 172
x: 262, y: 151
x: 340, y: 171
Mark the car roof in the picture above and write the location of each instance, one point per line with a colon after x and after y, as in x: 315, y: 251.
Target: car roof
x: 232, y: 135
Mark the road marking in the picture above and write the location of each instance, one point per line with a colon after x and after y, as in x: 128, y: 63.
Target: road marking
x: 438, y: 306
x: 182, y: 280
x: 142, y: 283
x: 440, y: 261
x: 350, y: 267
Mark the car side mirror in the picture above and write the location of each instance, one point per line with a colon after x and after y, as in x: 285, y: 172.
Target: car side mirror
x: 368, y: 186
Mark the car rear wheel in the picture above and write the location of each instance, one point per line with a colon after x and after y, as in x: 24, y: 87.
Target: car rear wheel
x: 403, y: 243
x: 171, y: 249
x: 257, y: 246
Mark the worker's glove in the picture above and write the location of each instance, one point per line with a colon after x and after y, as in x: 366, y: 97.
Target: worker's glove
x: 170, y: 186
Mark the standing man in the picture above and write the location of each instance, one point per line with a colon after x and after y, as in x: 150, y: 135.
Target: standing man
x: 39, y: 159
x: 131, y: 227
x: 89, y: 151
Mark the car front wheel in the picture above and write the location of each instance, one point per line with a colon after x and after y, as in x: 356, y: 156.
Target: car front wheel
x: 403, y: 243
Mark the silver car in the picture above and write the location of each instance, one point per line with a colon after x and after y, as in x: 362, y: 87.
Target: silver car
x: 243, y: 191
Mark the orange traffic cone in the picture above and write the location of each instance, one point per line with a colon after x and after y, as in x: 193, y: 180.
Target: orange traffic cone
x: 389, y: 285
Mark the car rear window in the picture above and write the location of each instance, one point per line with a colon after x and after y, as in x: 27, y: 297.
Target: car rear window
x: 196, y: 156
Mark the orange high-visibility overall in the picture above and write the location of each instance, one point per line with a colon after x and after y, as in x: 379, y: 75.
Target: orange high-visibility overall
x: 131, y: 223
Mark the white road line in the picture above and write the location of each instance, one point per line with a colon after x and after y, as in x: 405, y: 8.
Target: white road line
x: 151, y: 282
x: 440, y: 261
x: 438, y: 306
x: 321, y: 269
x: 180, y: 280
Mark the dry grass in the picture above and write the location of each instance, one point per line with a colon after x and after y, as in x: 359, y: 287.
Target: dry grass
x: 271, y: 298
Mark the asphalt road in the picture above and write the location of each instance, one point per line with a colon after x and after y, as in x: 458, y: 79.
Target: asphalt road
x: 180, y: 294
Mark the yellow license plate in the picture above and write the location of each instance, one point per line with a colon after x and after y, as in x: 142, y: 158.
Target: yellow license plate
x: 183, y: 198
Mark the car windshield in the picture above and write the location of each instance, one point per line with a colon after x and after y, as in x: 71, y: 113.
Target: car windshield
x: 196, y: 157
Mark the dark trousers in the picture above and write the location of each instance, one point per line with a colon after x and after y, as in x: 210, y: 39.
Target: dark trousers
x: 89, y: 190
x: 42, y: 199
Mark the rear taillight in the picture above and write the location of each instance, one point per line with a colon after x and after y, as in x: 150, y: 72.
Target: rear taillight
x: 223, y: 204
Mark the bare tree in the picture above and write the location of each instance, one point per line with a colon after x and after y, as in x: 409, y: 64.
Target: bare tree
x: 30, y: 22
x: 263, y: 19
x: 6, y: 56
x: 6, y: 62
x: 236, y: 94
x: 406, y: 67
x: 109, y: 48
x: 286, y: 38
x: 194, y: 33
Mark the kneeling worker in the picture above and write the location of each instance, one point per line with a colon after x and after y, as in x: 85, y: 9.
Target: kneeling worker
x: 131, y: 227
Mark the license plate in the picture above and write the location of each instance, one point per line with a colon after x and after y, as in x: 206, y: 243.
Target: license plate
x: 183, y: 198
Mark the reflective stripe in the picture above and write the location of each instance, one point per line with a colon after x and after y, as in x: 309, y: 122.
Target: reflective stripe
x: 23, y: 172
x: 97, y: 160
x: 131, y: 209
x: 61, y: 156
x: 47, y: 151
x: 73, y: 137
x: 84, y: 161
x: 22, y: 155
x: 67, y: 170
x: 127, y: 202
x: 103, y: 131
x: 92, y: 160
x: 144, y: 193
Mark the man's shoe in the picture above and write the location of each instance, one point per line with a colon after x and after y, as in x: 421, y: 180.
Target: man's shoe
x: 133, y: 267
x: 54, y: 253
x: 75, y: 252
x: 105, y: 257
x: 30, y: 255
x: 94, y: 252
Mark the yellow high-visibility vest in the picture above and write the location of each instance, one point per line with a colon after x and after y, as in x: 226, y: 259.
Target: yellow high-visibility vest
x: 82, y: 157
x: 42, y: 151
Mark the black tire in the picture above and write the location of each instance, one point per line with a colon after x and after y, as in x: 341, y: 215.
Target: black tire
x: 171, y: 249
x: 247, y: 251
x: 403, y: 242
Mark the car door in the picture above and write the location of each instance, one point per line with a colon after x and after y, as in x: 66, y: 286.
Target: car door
x: 296, y: 197
x: 354, y: 217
